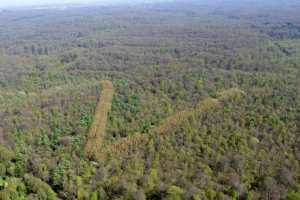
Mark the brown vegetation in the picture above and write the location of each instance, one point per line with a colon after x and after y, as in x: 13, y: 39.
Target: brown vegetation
x: 98, y: 127
x: 232, y: 93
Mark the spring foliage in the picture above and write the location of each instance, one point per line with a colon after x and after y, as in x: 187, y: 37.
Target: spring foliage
x: 204, y: 104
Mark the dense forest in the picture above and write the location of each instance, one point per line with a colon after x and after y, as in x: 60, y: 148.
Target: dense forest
x: 196, y: 100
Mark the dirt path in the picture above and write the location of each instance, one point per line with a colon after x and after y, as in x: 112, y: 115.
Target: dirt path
x: 98, y: 128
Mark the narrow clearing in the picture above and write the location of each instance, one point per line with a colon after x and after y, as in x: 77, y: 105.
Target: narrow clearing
x: 96, y: 136
x: 121, y: 146
x: 98, y: 128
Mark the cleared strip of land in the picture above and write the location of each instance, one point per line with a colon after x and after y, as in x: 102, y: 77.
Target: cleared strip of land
x: 95, y: 142
x: 122, y: 146
x: 98, y: 128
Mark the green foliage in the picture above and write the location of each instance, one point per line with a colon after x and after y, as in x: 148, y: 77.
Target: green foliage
x: 3, y: 184
x: 294, y: 194
x: 5, y: 154
x: 152, y: 179
x: 42, y: 189
x: 13, y: 188
x: 174, y: 193
x: 162, y: 60
x: 59, y: 172
x: 94, y: 196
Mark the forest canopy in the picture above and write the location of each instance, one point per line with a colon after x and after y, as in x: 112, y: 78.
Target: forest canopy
x: 176, y: 100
